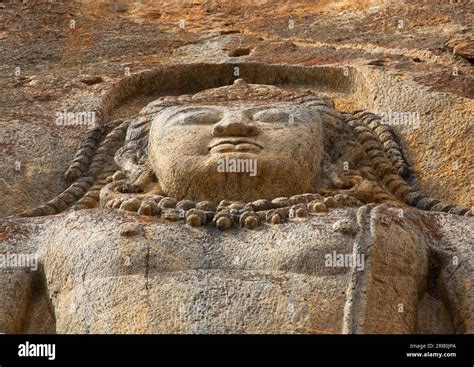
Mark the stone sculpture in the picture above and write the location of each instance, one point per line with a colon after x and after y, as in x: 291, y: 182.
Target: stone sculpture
x: 142, y: 249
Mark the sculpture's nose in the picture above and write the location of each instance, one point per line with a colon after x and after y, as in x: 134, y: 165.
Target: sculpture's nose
x: 235, y: 124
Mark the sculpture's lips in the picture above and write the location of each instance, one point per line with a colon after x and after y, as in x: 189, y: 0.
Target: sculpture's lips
x: 235, y: 145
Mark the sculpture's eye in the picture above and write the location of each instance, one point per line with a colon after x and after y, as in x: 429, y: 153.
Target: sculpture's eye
x: 197, y: 116
x: 277, y: 115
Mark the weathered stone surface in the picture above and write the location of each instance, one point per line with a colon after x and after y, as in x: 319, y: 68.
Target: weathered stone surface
x: 171, y: 278
x: 150, y: 237
x: 462, y: 46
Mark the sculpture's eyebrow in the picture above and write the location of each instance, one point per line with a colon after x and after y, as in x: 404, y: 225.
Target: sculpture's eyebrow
x: 192, y: 109
x: 276, y: 106
x: 296, y: 110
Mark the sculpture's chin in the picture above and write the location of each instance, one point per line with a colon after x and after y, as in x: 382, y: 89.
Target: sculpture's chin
x: 245, y: 180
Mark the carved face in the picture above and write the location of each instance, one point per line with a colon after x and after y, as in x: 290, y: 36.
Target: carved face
x: 237, y: 152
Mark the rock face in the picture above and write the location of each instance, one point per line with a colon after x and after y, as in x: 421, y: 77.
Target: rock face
x: 252, y: 179
x: 463, y: 47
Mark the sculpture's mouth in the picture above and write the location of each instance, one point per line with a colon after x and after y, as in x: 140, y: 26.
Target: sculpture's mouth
x: 234, y: 145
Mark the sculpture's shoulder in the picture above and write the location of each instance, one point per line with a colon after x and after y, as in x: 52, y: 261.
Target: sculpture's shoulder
x: 452, y: 254
x: 455, y: 232
x: 17, y: 235
x: 422, y: 257
x: 21, y: 282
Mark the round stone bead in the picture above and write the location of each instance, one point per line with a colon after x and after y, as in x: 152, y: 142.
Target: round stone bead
x: 196, y: 217
x: 168, y: 202
x: 206, y: 206
x: 249, y: 220
x: 330, y: 202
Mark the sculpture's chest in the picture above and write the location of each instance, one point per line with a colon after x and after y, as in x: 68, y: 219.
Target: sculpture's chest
x: 155, y: 278
x: 107, y: 276
x: 308, y: 247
